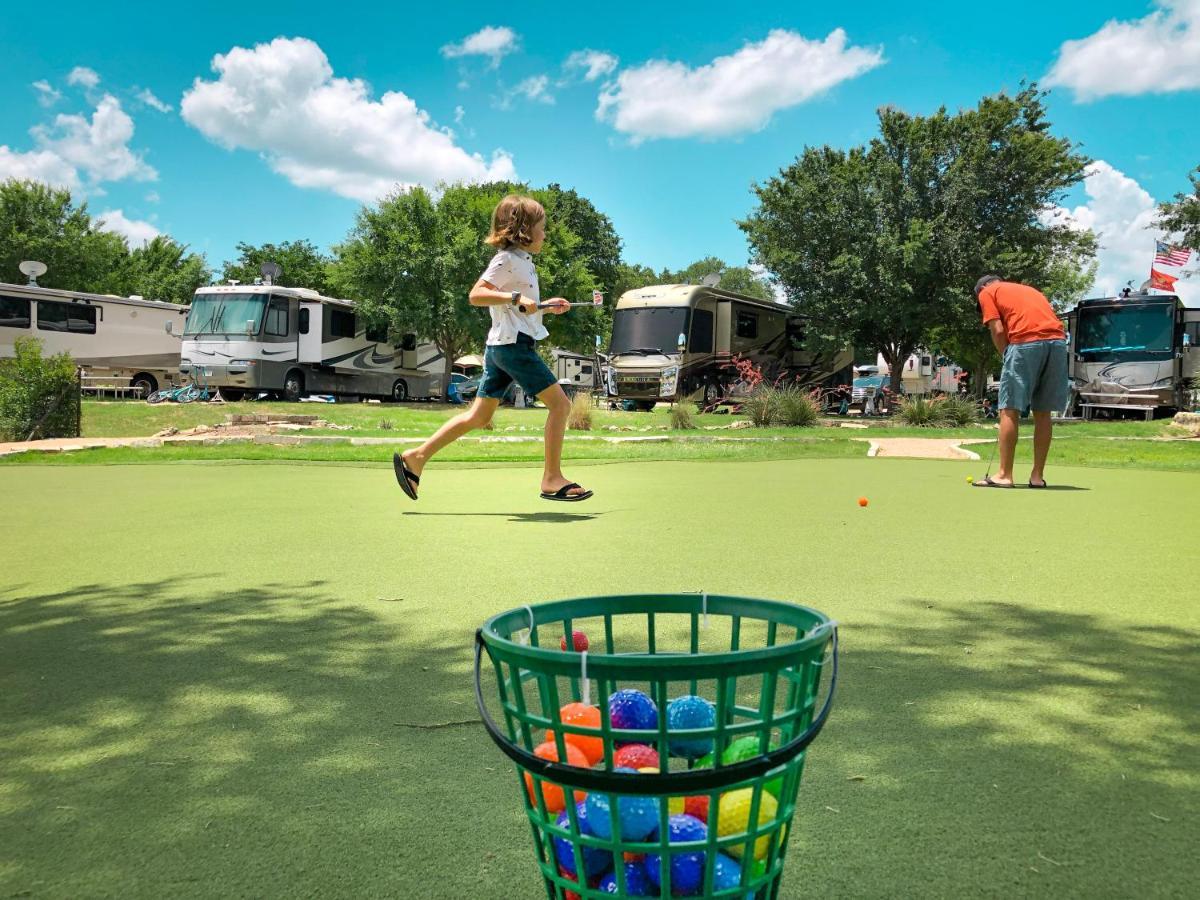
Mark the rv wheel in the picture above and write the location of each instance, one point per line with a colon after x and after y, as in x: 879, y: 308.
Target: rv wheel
x: 712, y: 394
x: 293, y: 387
x: 399, y: 391
x: 146, y: 382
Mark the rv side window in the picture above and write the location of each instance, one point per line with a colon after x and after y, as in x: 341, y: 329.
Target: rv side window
x: 277, y: 318
x: 77, y: 318
x: 378, y: 334
x: 702, y: 331
x: 585, y: 369
x: 304, y: 320
x: 341, y: 323
x: 747, y: 325
x: 14, y: 312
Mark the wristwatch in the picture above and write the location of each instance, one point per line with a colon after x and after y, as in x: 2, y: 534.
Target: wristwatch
x: 516, y: 298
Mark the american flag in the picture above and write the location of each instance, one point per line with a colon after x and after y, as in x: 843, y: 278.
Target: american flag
x: 1171, y: 256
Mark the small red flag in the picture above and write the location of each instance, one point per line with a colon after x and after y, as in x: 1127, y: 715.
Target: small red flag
x: 1160, y: 281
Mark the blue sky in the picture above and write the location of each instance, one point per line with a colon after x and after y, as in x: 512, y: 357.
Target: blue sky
x: 664, y: 117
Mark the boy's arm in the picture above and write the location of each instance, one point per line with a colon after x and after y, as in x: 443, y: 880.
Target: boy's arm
x: 484, y: 293
x: 999, y: 335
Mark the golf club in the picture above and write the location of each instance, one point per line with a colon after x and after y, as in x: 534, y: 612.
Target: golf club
x: 597, y: 300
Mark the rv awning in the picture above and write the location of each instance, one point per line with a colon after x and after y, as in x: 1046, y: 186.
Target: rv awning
x: 467, y: 361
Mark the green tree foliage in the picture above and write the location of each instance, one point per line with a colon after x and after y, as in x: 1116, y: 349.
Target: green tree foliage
x: 412, y: 260
x: 881, y: 245
x: 1182, y: 215
x: 39, y: 396
x: 739, y: 279
x: 303, y: 265
x: 40, y: 222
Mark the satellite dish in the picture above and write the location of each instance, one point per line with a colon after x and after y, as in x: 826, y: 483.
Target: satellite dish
x: 33, y: 269
x: 270, y: 271
x: 711, y: 280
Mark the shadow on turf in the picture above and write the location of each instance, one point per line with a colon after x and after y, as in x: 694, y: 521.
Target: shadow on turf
x: 518, y: 516
x: 165, y: 739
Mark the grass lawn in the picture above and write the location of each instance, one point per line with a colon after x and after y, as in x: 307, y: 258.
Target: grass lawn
x: 253, y: 680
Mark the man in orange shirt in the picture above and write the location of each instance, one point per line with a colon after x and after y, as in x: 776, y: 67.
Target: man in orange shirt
x: 1032, y: 342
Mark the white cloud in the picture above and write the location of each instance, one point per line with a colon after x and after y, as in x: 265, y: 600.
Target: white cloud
x: 490, y: 41
x: 74, y: 149
x: 1156, y: 54
x: 535, y: 88
x: 321, y: 131
x: 732, y: 94
x: 84, y: 77
x: 135, y: 231
x: 596, y: 62
x: 1121, y: 213
x: 153, y: 197
x: 47, y: 95
x: 459, y: 112
x: 147, y: 97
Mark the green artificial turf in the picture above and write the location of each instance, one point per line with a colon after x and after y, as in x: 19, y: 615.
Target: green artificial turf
x: 254, y: 680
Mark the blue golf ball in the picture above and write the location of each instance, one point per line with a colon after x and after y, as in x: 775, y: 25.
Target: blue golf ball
x: 631, y: 708
x: 691, y: 712
x: 727, y: 874
x: 687, y: 868
x: 595, y: 860
x: 637, y: 882
x: 638, y: 815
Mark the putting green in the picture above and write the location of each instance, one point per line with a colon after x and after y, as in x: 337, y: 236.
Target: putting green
x: 254, y: 679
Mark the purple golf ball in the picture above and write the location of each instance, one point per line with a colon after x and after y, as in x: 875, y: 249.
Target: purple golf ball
x: 687, y: 867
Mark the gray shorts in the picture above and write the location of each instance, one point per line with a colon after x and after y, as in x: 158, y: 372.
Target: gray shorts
x: 1035, y: 376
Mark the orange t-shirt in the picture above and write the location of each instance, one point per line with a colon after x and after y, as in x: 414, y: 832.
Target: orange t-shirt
x: 1025, y: 312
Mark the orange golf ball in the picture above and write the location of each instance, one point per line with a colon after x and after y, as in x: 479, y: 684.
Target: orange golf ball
x: 862, y: 501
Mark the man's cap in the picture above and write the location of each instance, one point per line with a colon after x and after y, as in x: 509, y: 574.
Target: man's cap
x: 984, y: 282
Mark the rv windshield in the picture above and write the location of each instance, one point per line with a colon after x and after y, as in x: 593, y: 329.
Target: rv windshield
x: 224, y: 313
x: 1126, y: 332
x: 648, y: 329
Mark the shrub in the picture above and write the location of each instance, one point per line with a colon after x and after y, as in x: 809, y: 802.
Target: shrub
x: 920, y: 411
x: 682, y: 418
x: 580, y: 416
x: 958, y: 410
x: 796, y: 407
x: 386, y: 424
x: 39, y: 396
x: 761, y: 407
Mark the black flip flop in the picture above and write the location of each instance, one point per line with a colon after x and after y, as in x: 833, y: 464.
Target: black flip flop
x: 1038, y: 487
x: 405, y: 476
x: 987, y: 482
x: 562, y: 495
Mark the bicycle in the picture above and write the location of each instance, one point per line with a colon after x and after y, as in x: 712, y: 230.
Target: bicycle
x: 196, y: 389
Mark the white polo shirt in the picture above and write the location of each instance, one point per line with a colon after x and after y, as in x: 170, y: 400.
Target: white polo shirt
x: 512, y: 270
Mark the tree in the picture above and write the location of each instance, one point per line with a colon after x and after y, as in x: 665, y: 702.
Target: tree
x: 1182, y: 215
x: 302, y: 263
x: 881, y: 245
x: 40, y: 222
x: 162, y: 269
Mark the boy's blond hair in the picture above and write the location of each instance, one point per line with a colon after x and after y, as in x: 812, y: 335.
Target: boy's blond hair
x: 513, y: 221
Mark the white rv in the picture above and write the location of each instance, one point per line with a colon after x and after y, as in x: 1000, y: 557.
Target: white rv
x: 118, y: 339
x: 250, y: 339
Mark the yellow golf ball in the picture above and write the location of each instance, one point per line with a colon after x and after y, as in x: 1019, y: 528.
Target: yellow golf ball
x: 733, y: 818
x: 970, y: 480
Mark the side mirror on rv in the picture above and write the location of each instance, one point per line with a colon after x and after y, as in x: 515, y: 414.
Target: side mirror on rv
x: 681, y: 342
x: 409, y: 343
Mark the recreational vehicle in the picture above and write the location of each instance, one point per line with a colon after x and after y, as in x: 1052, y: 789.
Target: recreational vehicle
x: 575, y: 371
x: 250, y: 339
x: 1136, y: 353
x: 117, y: 339
x: 671, y: 341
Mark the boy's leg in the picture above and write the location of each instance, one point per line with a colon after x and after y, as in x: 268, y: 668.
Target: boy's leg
x: 554, y: 398
x: 477, y: 416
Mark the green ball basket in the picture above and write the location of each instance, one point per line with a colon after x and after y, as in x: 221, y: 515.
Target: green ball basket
x: 759, y: 662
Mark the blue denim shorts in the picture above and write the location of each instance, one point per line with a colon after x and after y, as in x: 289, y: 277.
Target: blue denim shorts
x: 505, y: 363
x: 1035, y: 376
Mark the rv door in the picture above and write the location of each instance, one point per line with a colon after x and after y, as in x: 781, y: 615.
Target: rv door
x: 309, y: 350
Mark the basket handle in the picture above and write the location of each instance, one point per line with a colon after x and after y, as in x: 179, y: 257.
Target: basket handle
x: 695, y: 781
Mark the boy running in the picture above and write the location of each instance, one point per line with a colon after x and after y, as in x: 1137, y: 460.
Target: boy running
x: 509, y: 289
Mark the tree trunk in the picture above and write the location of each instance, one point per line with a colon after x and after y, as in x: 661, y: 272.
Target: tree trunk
x: 449, y: 369
x: 979, y: 380
x: 895, y: 358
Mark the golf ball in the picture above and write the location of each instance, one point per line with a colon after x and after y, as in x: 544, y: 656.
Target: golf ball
x: 862, y: 501
x: 745, y: 748
x: 970, y: 480
x: 690, y: 712
x: 552, y: 794
x: 727, y: 874
x: 733, y: 818
x: 636, y: 756
x: 687, y: 867
x: 584, y: 716
x: 632, y: 709
x: 638, y: 816
x: 637, y: 882
x: 595, y: 861
x: 578, y: 639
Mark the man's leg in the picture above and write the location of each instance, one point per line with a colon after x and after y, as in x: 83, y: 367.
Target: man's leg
x: 554, y: 398
x: 1043, y: 430
x: 477, y: 416
x: 1009, y: 427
